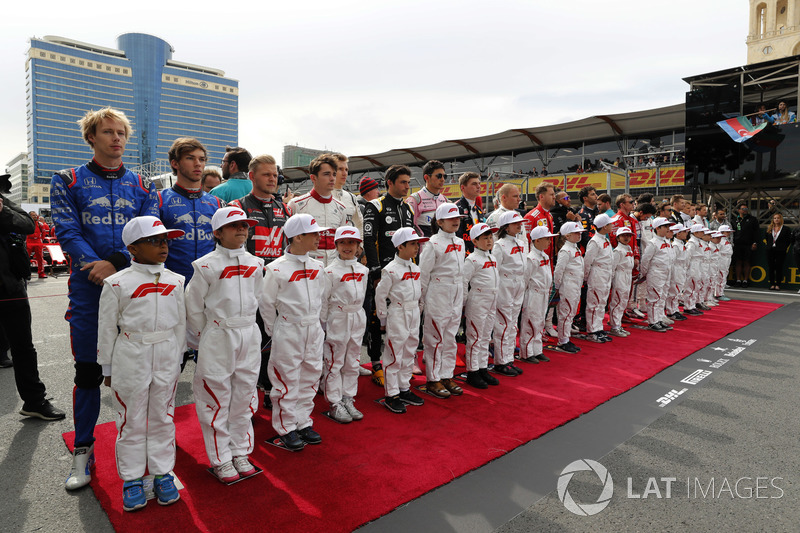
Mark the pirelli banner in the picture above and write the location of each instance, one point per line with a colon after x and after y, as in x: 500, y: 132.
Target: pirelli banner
x: 671, y: 176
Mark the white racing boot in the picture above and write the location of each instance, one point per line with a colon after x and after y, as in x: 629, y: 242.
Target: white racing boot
x: 82, y: 463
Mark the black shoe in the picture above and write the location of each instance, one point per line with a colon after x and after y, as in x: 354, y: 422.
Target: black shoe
x: 693, y: 312
x: 474, y: 378
x: 737, y: 283
x: 531, y: 359
x: 677, y: 316
x: 5, y: 361
x: 543, y: 358
x: 394, y: 404
x: 487, y: 377
x: 568, y: 347
x: 406, y: 396
x: 292, y: 441
x: 657, y: 327
x: 606, y: 336
x: 44, y: 410
x: 666, y: 326
x: 515, y: 368
x: 571, y: 345
x: 744, y: 284
x: 309, y: 436
x: 505, y: 370
x: 703, y: 306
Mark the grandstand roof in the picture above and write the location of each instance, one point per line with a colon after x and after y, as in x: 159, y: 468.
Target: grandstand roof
x: 591, y: 129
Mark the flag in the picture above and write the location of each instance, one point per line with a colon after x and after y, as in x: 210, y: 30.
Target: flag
x: 740, y: 128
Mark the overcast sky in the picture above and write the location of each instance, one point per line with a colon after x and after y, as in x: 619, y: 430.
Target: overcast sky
x: 364, y: 77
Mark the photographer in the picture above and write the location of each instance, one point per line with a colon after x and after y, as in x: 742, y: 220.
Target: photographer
x: 16, y: 311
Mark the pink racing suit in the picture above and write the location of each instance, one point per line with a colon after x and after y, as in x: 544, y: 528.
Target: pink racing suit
x: 423, y: 204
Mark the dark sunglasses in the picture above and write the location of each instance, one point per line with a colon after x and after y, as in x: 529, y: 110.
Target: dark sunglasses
x: 155, y: 241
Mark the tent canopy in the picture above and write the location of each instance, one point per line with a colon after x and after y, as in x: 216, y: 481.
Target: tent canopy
x: 591, y: 129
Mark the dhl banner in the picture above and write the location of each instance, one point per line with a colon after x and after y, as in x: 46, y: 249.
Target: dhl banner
x: 672, y: 176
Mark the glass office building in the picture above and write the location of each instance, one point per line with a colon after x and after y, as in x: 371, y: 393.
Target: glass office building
x: 164, y: 99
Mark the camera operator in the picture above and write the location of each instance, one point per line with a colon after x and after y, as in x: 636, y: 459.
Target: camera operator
x: 16, y: 311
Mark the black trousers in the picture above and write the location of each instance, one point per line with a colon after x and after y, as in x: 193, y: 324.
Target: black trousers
x: 15, y: 321
x: 266, y: 351
x: 775, y: 260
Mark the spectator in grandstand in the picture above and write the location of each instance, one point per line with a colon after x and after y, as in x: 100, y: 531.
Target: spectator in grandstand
x: 368, y: 189
x: 604, y: 205
x: 778, y: 240
x: 745, y: 228
x: 762, y: 115
x: 719, y: 219
x: 211, y: 178
x: 784, y: 116
x: 544, y: 171
x: 234, y: 169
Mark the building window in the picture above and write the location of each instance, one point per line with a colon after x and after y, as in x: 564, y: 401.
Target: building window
x: 767, y: 50
x: 761, y: 18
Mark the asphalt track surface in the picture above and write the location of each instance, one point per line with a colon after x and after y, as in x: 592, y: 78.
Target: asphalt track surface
x: 737, y: 424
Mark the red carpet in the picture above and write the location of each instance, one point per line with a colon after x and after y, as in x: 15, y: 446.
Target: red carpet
x: 365, y: 469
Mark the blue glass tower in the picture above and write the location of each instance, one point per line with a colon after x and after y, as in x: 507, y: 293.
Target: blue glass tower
x: 164, y: 99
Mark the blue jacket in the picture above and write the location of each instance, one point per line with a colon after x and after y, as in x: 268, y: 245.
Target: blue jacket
x: 91, y: 205
x: 191, y: 212
x: 236, y: 186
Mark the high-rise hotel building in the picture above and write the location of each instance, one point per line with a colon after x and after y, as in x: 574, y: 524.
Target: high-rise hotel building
x: 163, y: 98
